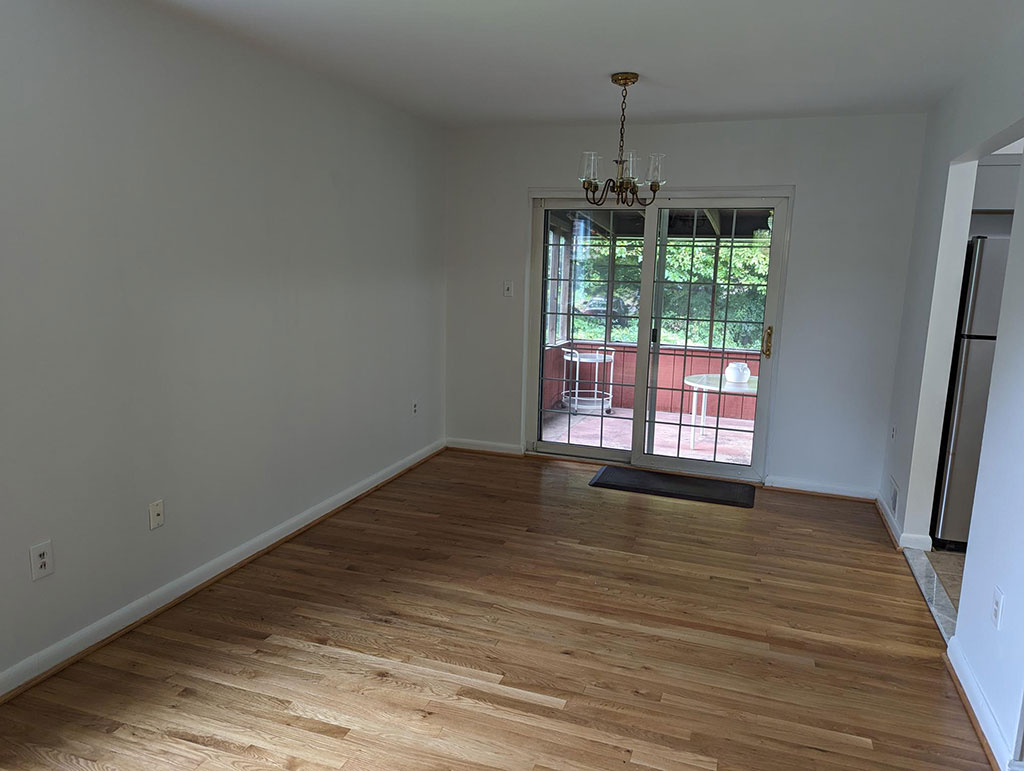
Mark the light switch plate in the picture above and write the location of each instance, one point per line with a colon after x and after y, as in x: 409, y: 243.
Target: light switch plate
x: 156, y: 514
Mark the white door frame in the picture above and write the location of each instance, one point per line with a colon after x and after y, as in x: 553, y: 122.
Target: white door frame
x: 781, y: 200
x: 755, y: 472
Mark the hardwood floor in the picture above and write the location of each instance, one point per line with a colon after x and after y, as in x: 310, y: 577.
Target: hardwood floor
x: 488, y: 612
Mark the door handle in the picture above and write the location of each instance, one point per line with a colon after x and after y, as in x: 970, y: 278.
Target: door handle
x: 766, y: 342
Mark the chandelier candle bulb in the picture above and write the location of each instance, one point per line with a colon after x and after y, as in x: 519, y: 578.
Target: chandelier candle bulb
x: 630, y: 165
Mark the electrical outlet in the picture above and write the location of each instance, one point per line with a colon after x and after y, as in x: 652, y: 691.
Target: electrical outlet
x: 507, y: 289
x: 892, y: 433
x: 415, y: 408
x: 42, y: 560
x: 997, y: 607
x: 156, y: 514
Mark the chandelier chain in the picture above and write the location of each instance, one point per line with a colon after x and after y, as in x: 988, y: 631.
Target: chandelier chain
x: 622, y: 125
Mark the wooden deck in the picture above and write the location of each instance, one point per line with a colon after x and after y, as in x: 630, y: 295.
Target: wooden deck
x: 489, y: 612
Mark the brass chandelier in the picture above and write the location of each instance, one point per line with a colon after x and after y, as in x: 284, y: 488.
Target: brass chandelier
x: 626, y: 183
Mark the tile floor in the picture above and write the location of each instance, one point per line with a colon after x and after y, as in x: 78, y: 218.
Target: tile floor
x: 949, y: 567
x: 939, y: 602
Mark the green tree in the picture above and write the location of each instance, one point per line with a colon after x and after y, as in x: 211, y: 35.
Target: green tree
x: 704, y: 301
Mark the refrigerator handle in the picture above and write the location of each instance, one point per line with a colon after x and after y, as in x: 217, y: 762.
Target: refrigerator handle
x: 954, y: 428
x: 958, y: 395
x: 972, y: 283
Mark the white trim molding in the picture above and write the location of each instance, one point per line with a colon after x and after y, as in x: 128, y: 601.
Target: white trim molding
x: 915, y: 541
x: 63, y: 650
x: 982, y: 709
x: 722, y: 191
x: 806, y: 485
x: 482, y: 446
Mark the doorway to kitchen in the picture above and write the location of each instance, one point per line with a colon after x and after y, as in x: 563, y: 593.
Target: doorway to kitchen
x: 985, y: 195
x: 655, y: 332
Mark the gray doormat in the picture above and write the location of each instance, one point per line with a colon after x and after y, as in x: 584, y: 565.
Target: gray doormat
x: 636, y: 480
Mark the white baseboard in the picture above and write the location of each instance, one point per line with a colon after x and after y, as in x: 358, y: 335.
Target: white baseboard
x: 73, y: 644
x: 915, y: 541
x: 982, y: 709
x: 890, y: 521
x: 476, y: 444
x: 807, y: 485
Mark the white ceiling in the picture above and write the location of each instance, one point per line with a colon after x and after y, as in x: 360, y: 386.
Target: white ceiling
x: 481, y: 61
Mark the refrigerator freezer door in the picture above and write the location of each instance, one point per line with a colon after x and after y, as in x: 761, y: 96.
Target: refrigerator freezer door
x: 964, y: 450
x: 985, y: 287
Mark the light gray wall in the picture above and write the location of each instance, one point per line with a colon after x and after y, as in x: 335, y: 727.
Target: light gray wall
x: 220, y: 285
x: 856, y: 184
x: 983, y: 114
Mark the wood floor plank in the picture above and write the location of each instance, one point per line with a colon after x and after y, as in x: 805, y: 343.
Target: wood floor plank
x: 483, y: 612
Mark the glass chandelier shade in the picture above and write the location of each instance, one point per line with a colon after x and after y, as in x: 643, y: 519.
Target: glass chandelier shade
x: 590, y: 167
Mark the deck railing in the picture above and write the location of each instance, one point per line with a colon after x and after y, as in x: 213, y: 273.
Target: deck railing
x: 674, y: 364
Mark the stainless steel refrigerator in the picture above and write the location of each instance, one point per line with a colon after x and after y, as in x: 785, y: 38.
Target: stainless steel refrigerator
x: 969, y: 381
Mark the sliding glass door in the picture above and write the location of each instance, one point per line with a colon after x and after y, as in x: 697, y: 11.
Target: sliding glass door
x: 590, y: 321
x: 657, y: 329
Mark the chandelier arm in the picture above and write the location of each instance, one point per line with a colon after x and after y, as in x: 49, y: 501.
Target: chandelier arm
x: 649, y: 201
x: 604, y: 193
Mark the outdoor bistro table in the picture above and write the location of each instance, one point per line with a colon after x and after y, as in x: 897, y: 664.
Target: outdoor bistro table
x: 712, y: 383
x: 588, y: 398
